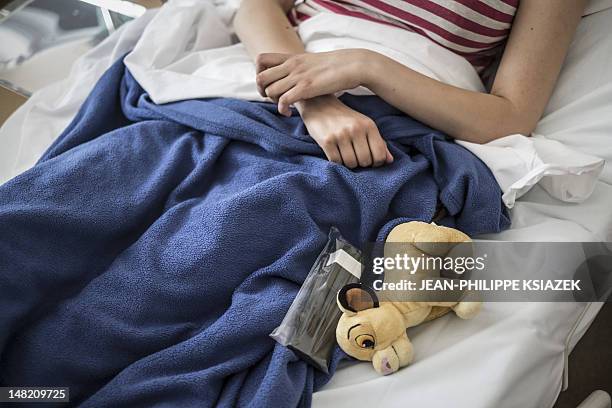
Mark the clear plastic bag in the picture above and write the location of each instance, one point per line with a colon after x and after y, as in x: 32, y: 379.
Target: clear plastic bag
x: 309, y: 327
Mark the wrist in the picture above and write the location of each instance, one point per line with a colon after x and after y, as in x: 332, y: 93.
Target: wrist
x: 356, y: 65
x: 310, y: 107
x: 370, y: 69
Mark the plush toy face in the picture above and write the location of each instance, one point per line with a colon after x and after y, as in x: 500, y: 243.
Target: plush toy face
x: 371, y: 332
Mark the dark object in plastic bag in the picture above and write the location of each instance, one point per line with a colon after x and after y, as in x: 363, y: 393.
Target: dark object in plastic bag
x: 309, y: 327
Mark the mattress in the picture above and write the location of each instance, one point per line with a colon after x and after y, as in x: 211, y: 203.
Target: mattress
x: 512, y: 355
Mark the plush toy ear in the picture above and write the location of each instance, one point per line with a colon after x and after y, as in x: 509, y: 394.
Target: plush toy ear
x: 356, y: 297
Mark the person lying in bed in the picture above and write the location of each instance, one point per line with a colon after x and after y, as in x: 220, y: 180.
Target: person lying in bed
x: 536, y: 35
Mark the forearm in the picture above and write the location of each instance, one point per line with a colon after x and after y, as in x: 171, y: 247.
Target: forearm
x: 465, y: 115
x: 263, y: 27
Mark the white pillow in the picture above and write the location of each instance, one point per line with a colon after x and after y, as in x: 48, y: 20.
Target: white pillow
x: 572, y: 145
x: 518, y: 163
x: 579, y: 113
x: 595, y: 6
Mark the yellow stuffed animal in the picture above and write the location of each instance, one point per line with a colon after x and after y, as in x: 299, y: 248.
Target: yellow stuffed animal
x: 375, y: 331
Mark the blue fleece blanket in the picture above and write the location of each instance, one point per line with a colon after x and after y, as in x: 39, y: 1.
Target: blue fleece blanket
x: 147, y: 256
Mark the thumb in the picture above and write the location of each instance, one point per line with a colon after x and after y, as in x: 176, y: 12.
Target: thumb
x: 389, y: 159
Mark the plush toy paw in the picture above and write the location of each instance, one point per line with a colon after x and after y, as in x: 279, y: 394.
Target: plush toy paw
x: 467, y: 310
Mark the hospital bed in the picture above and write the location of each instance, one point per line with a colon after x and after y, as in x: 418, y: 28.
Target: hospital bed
x: 514, y: 354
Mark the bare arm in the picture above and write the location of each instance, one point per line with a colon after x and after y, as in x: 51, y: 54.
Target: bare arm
x: 262, y: 26
x: 540, y: 37
x: 346, y: 136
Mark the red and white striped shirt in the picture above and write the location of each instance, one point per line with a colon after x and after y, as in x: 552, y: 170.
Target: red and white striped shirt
x: 474, y: 29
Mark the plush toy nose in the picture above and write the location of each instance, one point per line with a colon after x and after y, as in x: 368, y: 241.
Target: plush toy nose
x: 386, y: 361
x: 386, y: 368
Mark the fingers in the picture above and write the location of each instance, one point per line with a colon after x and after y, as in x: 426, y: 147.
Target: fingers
x: 356, y: 153
x: 357, y: 145
x: 278, y: 88
x: 289, y: 98
x: 378, y: 147
x: 298, y: 93
x: 390, y: 158
x: 269, y: 76
x: 331, y: 152
x: 345, y: 145
x: 269, y: 60
x: 368, y: 148
x: 346, y: 136
x: 268, y: 69
x: 362, y: 149
x: 278, y: 83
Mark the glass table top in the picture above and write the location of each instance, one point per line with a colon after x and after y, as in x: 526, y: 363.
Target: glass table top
x: 40, y: 39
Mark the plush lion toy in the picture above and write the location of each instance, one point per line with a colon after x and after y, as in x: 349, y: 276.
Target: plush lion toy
x: 373, y: 330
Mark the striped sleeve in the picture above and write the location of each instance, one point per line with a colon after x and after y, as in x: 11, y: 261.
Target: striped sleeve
x: 474, y: 29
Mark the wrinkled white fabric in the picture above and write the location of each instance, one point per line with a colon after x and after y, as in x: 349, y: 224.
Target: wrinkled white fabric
x: 184, y: 66
x: 26, y: 135
x: 519, y: 162
x: 593, y: 6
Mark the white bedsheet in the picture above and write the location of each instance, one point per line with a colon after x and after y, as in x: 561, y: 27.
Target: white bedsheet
x: 511, y: 356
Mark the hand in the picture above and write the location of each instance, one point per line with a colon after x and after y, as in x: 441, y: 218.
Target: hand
x: 289, y: 78
x: 345, y: 135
